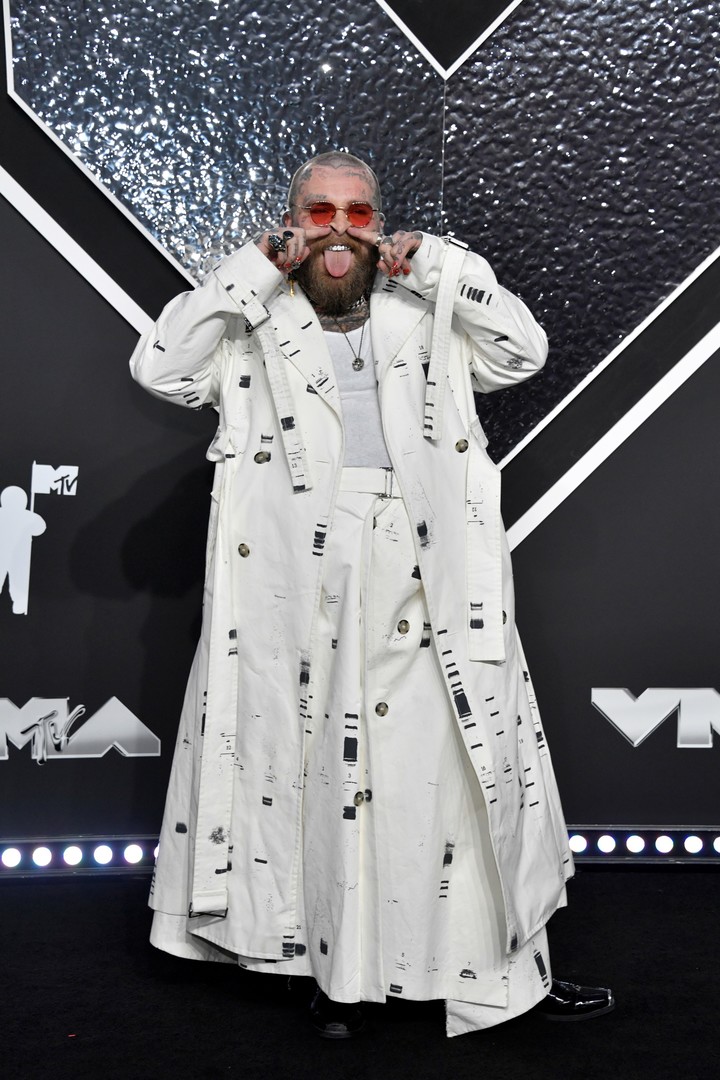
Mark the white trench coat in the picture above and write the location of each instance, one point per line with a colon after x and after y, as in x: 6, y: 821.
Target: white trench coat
x: 243, y: 344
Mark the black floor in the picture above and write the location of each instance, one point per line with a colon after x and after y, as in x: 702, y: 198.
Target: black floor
x: 84, y: 995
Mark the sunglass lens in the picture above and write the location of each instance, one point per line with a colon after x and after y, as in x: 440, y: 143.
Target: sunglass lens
x: 322, y: 213
x: 359, y: 214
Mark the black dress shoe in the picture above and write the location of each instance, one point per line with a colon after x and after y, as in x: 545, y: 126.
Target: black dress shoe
x: 335, y: 1019
x: 568, y: 1001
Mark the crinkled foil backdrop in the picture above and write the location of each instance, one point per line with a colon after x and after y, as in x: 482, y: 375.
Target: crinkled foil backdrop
x: 577, y: 148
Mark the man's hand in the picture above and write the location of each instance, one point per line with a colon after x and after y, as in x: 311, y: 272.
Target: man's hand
x: 287, y: 246
x: 394, y: 252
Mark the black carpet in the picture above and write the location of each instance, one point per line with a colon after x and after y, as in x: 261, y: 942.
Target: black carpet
x: 84, y: 995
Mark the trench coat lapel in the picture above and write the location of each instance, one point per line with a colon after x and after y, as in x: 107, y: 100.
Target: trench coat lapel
x: 396, y: 312
x: 301, y: 340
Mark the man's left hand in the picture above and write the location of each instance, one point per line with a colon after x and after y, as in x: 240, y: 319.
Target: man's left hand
x: 394, y: 252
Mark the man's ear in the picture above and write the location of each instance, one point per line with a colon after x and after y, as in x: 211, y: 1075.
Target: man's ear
x: 287, y: 218
x: 382, y: 219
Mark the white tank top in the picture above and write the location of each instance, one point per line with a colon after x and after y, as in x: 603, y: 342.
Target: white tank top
x: 364, y: 439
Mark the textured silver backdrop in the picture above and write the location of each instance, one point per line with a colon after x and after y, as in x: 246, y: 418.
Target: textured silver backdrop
x: 577, y: 148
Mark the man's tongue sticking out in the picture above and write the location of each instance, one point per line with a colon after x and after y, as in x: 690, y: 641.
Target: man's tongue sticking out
x: 337, y: 263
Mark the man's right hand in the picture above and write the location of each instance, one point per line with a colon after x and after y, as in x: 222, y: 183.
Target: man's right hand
x: 287, y: 246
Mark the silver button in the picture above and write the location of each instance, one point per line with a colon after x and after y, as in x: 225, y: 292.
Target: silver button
x: 461, y: 446
x: 262, y: 456
x: 403, y: 626
x: 243, y: 550
x: 381, y: 708
x: 368, y: 795
x: 358, y: 798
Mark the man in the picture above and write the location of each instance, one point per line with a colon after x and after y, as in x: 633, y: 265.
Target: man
x: 361, y: 789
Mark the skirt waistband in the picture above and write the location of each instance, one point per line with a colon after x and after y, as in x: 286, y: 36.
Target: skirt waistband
x: 371, y: 481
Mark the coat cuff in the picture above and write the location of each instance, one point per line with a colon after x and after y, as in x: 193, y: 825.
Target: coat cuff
x: 235, y: 274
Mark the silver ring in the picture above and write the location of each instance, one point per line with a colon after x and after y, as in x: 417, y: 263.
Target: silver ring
x: 276, y: 243
x: 382, y: 240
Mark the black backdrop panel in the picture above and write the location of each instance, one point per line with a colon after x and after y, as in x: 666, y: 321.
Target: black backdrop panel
x: 618, y: 588
x: 115, y: 581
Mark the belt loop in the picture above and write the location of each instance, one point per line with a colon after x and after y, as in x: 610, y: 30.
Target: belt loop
x: 389, y: 476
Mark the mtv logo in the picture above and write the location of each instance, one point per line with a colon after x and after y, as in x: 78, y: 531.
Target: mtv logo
x: 698, y: 713
x: 47, y: 724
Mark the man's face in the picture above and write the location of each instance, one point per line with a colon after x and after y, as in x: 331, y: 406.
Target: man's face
x: 340, y: 267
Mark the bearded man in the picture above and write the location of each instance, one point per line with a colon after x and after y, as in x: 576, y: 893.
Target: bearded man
x: 361, y: 790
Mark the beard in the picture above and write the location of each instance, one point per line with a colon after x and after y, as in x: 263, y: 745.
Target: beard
x: 335, y: 296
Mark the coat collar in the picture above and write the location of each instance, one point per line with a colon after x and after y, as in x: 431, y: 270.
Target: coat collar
x: 395, y: 312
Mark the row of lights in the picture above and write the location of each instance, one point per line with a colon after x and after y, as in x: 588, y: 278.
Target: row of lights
x: 124, y: 853
x: 71, y: 856
x: 671, y: 845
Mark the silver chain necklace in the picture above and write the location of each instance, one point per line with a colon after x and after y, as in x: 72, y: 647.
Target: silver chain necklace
x: 358, y: 363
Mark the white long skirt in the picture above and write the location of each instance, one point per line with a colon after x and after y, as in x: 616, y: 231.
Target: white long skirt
x: 400, y: 890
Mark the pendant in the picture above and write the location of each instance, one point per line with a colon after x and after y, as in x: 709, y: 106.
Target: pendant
x: 358, y: 363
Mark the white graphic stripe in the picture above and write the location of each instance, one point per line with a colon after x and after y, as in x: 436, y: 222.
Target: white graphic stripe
x: 70, y: 250
x: 614, y: 438
x: 447, y: 72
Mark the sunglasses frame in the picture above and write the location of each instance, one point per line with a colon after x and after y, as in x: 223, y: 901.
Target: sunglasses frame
x: 345, y: 209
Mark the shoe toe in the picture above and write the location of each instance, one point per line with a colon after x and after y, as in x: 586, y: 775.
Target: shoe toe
x: 569, y: 1001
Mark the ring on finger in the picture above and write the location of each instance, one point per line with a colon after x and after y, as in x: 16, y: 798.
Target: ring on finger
x: 382, y: 240
x: 276, y: 243
x: 288, y: 235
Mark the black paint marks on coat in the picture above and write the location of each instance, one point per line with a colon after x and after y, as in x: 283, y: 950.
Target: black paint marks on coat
x: 444, y: 886
x: 217, y: 836
x: 416, y: 572
x: 541, y: 968
x: 221, y: 870
x: 180, y: 827
x: 244, y: 382
x: 304, y: 671
x: 161, y: 348
x: 476, y: 620
x: 349, y: 813
x: 233, y: 650
x: 311, y: 390
x: 426, y: 636
x: 323, y: 946
x: 300, y: 949
x: 334, y: 643
x: 319, y: 538
x: 267, y: 801
x: 466, y: 973
x: 448, y: 856
x: 287, y: 423
x: 350, y: 750
x: 514, y: 943
x: 424, y: 533
x: 462, y: 705
x: 395, y: 988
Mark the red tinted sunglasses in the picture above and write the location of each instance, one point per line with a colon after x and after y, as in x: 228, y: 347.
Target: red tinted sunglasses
x: 359, y: 214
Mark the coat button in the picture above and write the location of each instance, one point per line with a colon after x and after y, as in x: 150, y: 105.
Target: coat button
x: 368, y: 795
x: 403, y: 626
x: 358, y: 798
x: 461, y: 446
x: 262, y: 456
x: 381, y: 708
x: 243, y: 550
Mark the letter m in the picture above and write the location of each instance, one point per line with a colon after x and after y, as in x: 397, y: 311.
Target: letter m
x: 635, y: 718
x: 15, y: 721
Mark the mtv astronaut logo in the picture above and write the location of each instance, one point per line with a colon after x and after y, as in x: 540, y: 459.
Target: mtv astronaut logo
x: 19, y: 524
x: 47, y: 723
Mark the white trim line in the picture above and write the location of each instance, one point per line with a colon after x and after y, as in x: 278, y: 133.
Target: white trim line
x: 447, y: 72
x: 70, y: 250
x: 670, y: 299
x: 15, y: 96
x: 614, y: 438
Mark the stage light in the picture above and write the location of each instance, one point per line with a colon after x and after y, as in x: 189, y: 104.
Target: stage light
x: 606, y: 844
x: 42, y: 856
x: 11, y: 858
x: 156, y: 851
x: 693, y: 845
x: 133, y: 853
x: 635, y: 844
x: 72, y: 856
x: 716, y: 844
x: 664, y: 844
x: 103, y: 854
x: 578, y: 844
